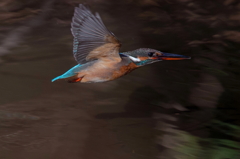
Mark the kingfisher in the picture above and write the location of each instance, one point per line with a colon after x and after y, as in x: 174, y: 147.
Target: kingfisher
x: 96, y: 50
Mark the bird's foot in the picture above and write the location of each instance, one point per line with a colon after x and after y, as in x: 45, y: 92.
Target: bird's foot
x: 75, y: 80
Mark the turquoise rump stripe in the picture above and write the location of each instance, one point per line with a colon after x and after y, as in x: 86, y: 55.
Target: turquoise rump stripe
x: 72, y: 72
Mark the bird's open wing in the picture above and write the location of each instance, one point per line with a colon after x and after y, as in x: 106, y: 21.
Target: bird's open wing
x: 92, y: 40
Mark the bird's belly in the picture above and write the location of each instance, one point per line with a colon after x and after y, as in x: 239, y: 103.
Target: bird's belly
x: 92, y: 79
x: 103, y: 74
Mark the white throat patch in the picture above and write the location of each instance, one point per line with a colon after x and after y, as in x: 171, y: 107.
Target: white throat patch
x: 134, y: 59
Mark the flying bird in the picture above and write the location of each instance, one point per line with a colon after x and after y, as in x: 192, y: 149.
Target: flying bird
x: 96, y: 50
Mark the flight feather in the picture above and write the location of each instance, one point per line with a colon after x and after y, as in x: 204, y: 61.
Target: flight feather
x: 92, y: 40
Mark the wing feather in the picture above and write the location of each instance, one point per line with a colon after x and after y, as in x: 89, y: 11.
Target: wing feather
x: 91, y: 37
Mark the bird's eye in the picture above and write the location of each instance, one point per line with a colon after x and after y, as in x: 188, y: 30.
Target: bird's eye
x: 150, y: 54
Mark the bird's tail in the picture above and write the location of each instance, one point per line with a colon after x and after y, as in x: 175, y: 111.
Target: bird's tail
x: 71, y: 75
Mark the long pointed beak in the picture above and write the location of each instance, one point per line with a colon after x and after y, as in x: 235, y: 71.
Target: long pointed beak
x: 169, y: 56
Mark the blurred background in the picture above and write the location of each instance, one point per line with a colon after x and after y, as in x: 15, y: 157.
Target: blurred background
x: 168, y: 110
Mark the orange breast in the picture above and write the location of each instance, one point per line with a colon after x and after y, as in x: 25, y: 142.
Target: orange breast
x: 123, y: 70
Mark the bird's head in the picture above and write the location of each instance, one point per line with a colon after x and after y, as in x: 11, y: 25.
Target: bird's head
x: 144, y: 56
